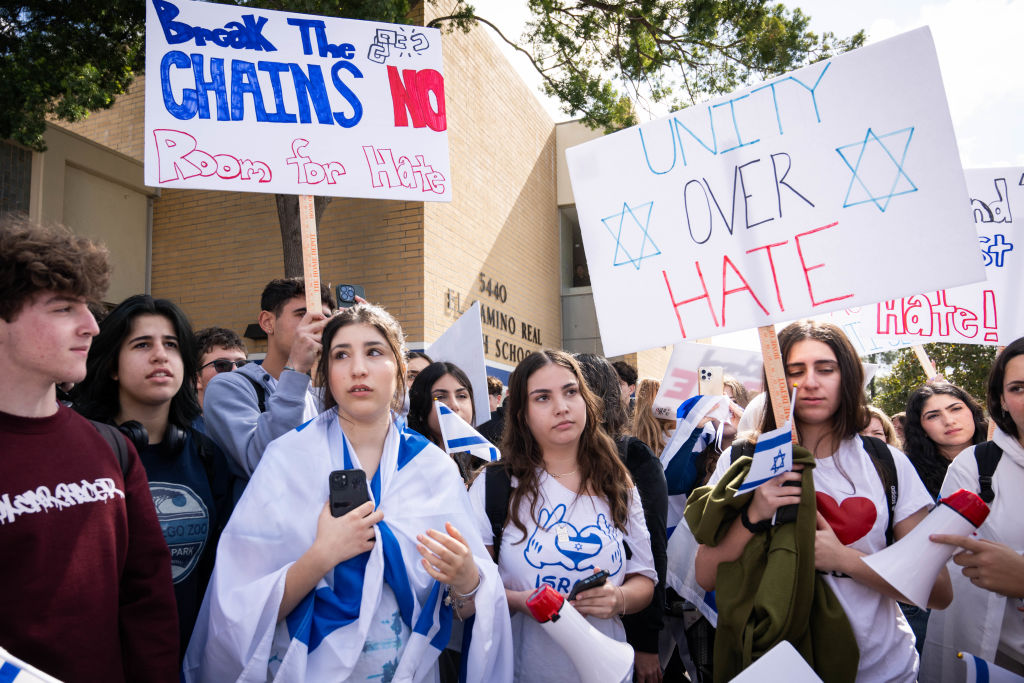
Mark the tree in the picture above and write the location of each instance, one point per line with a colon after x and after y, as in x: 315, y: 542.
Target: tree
x: 965, y: 365
x: 63, y: 59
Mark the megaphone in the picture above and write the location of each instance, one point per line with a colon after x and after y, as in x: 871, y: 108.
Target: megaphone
x: 912, y: 564
x: 597, y: 658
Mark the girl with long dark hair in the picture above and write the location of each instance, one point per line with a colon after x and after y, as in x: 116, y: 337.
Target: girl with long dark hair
x: 942, y: 420
x: 142, y: 377
x: 851, y: 510
x: 571, y: 511
x: 445, y: 382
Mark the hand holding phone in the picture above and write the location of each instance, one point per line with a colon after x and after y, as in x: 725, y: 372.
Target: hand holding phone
x: 347, y: 491
x: 593, y: 581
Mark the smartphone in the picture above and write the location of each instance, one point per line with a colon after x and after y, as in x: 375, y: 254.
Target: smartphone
x: 348, y: 491
x: 787, y: 513
x: 710, y: 381
x: 346, y: 294
x: 592, y: 581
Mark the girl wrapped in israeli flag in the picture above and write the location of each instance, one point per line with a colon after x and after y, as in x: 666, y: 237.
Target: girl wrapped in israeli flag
x: 298, y: 594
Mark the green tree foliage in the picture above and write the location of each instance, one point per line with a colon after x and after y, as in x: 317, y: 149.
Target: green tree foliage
x: 965, y: 365
x: 603, y: 58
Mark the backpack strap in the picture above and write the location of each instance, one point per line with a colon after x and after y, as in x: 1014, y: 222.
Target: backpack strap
x: 116, y: 440
x: 261, y: 392
x: 497, y: 491
x: 881, y: 458
x: 987, y: 455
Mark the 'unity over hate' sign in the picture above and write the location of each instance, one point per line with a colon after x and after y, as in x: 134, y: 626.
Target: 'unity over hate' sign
x: 253, y: 100
x: 836, y: 185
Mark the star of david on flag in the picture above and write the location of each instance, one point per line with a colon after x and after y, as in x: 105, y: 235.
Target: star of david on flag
x: 773, y: 455
x: 458, y: 436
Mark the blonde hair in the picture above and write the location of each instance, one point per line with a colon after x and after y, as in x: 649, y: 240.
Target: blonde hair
x: 647, y: 427
x: 890, y: 431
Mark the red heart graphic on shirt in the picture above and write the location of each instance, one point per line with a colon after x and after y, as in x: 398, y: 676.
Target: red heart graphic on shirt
x: 851, y: 520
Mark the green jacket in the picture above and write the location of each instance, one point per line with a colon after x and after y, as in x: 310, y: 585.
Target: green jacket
x: 772, y: 592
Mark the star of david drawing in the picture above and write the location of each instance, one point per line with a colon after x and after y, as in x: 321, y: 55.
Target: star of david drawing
x: 877, y: 166
x: 778, y: 462
x: 630, y: 227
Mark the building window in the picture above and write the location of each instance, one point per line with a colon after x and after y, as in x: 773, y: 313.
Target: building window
x: 574, y: 259
x: 15, y: 178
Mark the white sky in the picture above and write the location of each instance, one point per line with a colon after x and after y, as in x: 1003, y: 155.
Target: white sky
x: 979, y: 43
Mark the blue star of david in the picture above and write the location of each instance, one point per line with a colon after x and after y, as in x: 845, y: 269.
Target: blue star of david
x: 636, y: 227
x: 778, y: 462
x: 877, y: 175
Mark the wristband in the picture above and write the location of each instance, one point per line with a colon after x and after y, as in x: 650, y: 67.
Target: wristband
x: 763, y: 525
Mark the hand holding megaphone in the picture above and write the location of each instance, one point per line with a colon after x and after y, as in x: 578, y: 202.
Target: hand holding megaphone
x: 912, y: 564
x: 596, y: 657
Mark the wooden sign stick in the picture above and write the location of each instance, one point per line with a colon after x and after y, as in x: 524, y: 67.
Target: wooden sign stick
x: 775, y: 373
x: 310, y: 253
x: 925, y: 361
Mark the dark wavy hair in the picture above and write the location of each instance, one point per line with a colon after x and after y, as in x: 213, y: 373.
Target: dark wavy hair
x: 421, y: 400
x: 282, y: 290
x: 994, y: 391
x: 385, y: 323
x: 36, y: 258
x: 922, y: 451
x: 603, y: 380
x: 601, y: 471
x: 852, y: 416
x: 98, y: 396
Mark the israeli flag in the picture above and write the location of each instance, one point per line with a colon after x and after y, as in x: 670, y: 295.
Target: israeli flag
x: 458, y: 436
x: 773, y: 455
x: 680, y: 453
x: 13, y: 670
x: 981, y: 671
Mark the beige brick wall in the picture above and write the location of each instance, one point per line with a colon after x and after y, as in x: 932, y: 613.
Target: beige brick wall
x: 121, y: 127
x: 503, y: 219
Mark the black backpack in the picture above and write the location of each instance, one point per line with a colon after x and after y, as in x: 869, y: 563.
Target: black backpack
x: 987, y: 455
x: 116, y: 440
x: 881, y: 458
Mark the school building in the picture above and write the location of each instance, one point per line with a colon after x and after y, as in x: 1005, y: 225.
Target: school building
x: 508, y: 239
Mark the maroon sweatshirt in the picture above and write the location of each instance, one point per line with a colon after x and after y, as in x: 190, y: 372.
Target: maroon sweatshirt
x: 85, y: 574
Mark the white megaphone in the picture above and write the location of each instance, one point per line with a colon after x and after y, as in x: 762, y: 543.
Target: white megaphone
x: 912, y: 564
x: 597, y: 658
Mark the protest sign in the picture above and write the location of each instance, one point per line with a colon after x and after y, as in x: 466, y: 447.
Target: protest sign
x: 834, y: 186
x: 989, y: 312
x: 463, y: 345
x: 252, y: 100
x: 681, y: 380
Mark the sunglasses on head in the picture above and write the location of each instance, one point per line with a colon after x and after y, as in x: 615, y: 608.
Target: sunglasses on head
x: 225, y: 365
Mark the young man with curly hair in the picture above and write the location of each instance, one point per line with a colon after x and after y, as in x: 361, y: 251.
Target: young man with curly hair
x: 86, y: 578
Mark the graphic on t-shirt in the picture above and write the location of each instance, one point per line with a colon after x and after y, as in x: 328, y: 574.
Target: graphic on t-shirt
x: 556, y: 542
x: 64, y: 495
x: 851, y: 520
x: 185, y: 522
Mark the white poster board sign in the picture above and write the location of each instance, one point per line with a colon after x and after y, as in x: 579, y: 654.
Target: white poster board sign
x: 834, y: 186
x: 989, y: 312
x: 254, y: 100
x: 680, y: 381
x: 463, y: 345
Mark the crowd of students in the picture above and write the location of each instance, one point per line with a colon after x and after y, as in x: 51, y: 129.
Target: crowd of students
x: 165, y: 504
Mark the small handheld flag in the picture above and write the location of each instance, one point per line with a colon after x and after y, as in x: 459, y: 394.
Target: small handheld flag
x: 773, y: 455
x: 458, y: 436
x: 13, y: 670
x: 981, y: 671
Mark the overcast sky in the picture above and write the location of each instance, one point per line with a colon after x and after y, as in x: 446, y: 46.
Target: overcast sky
x: 978, y: 42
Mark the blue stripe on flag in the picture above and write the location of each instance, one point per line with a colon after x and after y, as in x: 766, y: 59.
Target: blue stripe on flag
x: 425, y: 622
x: 8, y: 672
x: 684, y: 408
x: 980, y: 670
x: 467, y: 441
x: 394, y: 572
x: 411, y: 445
x: 774, y: 442
x: 323, y: 611
x: 747, y: 485
x: 467, y: 642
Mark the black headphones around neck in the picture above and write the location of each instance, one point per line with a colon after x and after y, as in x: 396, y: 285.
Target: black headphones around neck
x: 173, y: 443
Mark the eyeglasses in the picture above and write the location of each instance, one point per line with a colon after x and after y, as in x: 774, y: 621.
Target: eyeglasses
x: 224, y: 365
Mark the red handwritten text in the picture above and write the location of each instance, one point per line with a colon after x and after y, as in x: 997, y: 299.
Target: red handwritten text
x: 179, y: 157
x: 310, y: 171
x: 385, y: 172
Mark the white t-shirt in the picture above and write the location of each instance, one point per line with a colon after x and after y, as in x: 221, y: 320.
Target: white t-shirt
x: 858, y: 513
x: 385, y: 642
x: 575, y: 536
